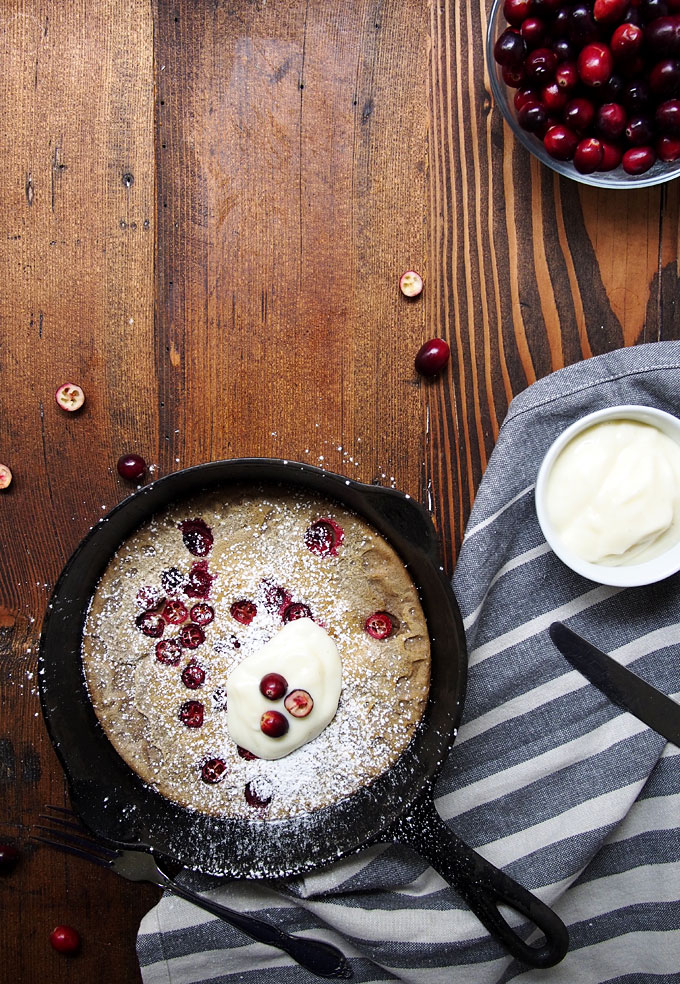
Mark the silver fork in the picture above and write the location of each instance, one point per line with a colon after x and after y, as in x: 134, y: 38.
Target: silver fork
x: 67, y: 834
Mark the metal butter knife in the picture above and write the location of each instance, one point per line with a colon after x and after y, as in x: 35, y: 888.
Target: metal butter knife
x: 619, y: 684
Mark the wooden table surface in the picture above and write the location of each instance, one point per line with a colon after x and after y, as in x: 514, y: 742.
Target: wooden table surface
x: 207, y: 206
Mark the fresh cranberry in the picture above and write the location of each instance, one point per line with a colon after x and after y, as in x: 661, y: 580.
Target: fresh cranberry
x: 199, y: 581
x: 295, y: 611
x: 595, y: 64
x: 566, y: 75
x: 611, y: 120
x: 193, y: 675
x: 9, y: 855
x: 579, y: 114
x: 540, y: 65
x: 588, y: 155
x: 169, y: 651
x: 380, y: 625
x: 197, y: 536
x: 611, y: 156
x: 610, y: 11
x: 191, y: 713
x: 637, y: 160
x: 258, y: 792
x: 273, y: 686
x: 559, y: 27
x: 533, y: 117
x: 273, y: 724
x: 667, y: 116
x: 243, y: 611
x: 546, y: 8
x: 432, y: 356
x: 172, y: 580
x: 65, y: 939
x: 563, y: 49
x: 516, y: 11
x: 662, y: 36
x: 299, y: 703
x: 533, y: 32
x: 651, y: 9
x: 131, y: 466
x: 214, y: 770
x: 191, y: 636
x: 202, y: 613
x: 668, y: 148
x: 5, y: 476
x: 510, y: 49
x: 560, y: 142
x: 175, y: 612
x: 664, y: 78
x: 513, y: 77
x: 639, y: 131
x: 626, y: 41
x: 70, y: 397
x: 582, y: 28
x: 323, y: 537
x: 553, y: 98
x: 151, y: 624
x: 245, y: 754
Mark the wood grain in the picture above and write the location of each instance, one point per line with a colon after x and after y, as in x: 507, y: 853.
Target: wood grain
x: 208, y: 206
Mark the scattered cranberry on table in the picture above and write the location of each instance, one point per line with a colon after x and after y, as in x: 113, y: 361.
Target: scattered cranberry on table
x: 5, y: 477
x: 70, y: 397
x: 9, y: 855
x: 598, y: 81
x: 131, y: 466
x: 411, y: 283
x: 432, y: 356
x: 65, y: 939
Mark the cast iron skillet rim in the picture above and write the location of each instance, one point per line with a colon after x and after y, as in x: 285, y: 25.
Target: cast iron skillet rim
x: 193, y: 480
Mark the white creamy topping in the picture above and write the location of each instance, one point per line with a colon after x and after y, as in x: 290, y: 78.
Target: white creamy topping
x: 308, y: 658
x: 613, y: 494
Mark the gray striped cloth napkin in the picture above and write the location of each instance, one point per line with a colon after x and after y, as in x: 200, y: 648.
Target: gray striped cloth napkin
x: 573, y: 797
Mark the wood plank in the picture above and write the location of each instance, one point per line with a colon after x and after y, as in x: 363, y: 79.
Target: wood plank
x: 76, y: 303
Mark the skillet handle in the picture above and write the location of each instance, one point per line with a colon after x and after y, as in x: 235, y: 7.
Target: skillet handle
x: 481, y: 885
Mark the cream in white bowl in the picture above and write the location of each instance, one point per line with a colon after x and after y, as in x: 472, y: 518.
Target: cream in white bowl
x: 608, y: 496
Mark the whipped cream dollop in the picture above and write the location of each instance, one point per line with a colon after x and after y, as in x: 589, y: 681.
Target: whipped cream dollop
x: 613, y: 494
x: 305, y: 655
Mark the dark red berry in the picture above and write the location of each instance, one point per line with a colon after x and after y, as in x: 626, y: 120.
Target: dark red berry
x: 323, y: 537
x: 516, y: 11
x: 611, y: 120
x: 595, y: 64
x: 199, y: 581
x: 579, y: 114
x: 432, y: 356
x: 65, y: 939
x: 662, y: 36
x: 213, y: 771
x: 533, y: 32
x: 611, y: 156
x: 637, y: 160
x: 380, y: 625
x: 296, y: 610
x: 513, y: 77
x: 540, y: 65
x: 639, y: 131
x: 560, y: 142
x: 243, y: 611
x: 258, y: 792
x: 148, y: 598
x: 191, y: 636
x: 275, y: 597
x: 245, y: 754
x: 151, y: 624
x: 197, y: 536
x: 566, y: 75
x: 191, y: 713
x: 193, y: 675
x: 533, y: 117
x: 667, y: 116
x: 274, y: 724
x: 581, y: 26
x: 172, y: 580
x: 169, y: 651
x: 202, y: 613
x: 553, y: 98
x: 273, y: 686
x: 664, y: 78
x: 131, y: 466
x: 9, y: 855
x: 668, y: 148
x: 626, y: 41
x: 588, y: 155
x: 299, y: 703
x: 510, y: 49
x: 610, y: 11
x: 175, y: 612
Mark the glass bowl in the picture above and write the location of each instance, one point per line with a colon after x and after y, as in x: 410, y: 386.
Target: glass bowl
x: 503, y: 95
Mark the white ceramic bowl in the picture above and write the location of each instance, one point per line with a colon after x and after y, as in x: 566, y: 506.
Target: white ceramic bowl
x: 625, y: 575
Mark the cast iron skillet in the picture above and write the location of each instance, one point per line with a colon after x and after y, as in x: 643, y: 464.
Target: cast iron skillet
x: 397, y: 807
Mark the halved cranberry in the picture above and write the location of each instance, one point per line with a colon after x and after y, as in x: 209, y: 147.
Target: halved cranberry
x: 191, y: 636
x: 175, y: 612
x: 191, y: 713
x: 295, y: 611
x: 151, y: 624
x: 169, y: 651
x: 323, y: 537
x: 245, y: 754
x: 274, y: 724
x: 299, y: 703
x: 202, y: 613
x: 148, y: 598
x: 273, y: 686
x: 172, y: 580
x: 380, y: 625
x: 244, y: 611
x: 197, y: 536
x: 70, y: 397
x: 199, y: 580
x: 258, y: 792
x: 276, y: 598
x: 193, y: 675
x: 214, y: 770
x: 5, y: 476
x: 411, y: 283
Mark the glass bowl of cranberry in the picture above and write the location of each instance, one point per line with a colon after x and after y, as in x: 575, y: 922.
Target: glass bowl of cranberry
x: 591, y: 87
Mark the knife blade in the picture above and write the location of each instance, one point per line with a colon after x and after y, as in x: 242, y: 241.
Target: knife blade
x: 619, y: 684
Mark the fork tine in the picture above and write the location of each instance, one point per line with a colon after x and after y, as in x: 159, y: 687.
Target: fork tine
x: 67, y: 849
x: 80, y: 840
